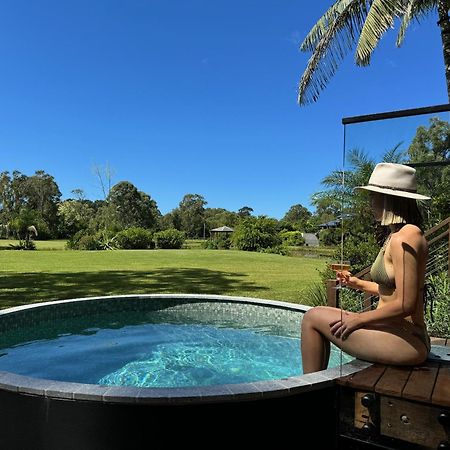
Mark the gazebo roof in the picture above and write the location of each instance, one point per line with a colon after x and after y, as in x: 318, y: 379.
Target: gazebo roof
x: 224, y: 228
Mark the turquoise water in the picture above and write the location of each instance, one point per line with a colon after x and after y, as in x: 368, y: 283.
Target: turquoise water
x: 148, y: 354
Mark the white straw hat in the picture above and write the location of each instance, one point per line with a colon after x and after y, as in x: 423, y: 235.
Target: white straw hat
x: 394, y: 179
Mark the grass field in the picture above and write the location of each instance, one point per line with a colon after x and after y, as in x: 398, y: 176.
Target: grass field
x: 34, y: 276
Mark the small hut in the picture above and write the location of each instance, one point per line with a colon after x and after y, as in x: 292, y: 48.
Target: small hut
x: 221, y: 231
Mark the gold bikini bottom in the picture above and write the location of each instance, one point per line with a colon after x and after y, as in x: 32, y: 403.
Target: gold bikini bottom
x: 408, y: 327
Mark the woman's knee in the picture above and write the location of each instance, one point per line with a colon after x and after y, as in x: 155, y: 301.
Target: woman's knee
x: 313, y: 316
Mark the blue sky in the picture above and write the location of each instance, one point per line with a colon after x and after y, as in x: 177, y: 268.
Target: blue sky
x: 191, y: 96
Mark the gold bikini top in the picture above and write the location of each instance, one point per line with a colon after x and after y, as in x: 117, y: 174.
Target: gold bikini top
x: 378, y: 270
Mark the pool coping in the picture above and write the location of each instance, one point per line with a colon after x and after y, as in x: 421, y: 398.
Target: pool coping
x: 258, y: 390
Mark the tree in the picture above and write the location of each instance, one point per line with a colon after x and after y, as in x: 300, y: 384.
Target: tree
x: 217, y: 217
x: 42, y: 195
x: 299, y: 216
x: 362, y: 23
x: 75, y: 215
x: 170, y: 220
x: 104, y: 176
x: 256, y: 233
x: 432, y: 144
x: 132, y: 208
x: 245, y: 211
x: 24, y: 230
x: 38, y: 193
x: 192, y: 214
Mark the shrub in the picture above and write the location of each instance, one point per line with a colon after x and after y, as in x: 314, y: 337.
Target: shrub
x: 73, y: 242
x: 314, y: 295
x: 27, y: 244
x: 256, y: 233
x: 135, y: 238
x: 277, y: 249
x: 437, y: 306
x: 88, y: 242
x: 292, y: 237
x: 217, y: 243
x: 170, y: 238
x: 102, y: 240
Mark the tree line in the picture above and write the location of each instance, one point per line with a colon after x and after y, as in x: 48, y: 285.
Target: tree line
x: 36, y: 201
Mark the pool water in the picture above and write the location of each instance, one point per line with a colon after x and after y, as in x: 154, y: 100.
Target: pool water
x: 149, y: 353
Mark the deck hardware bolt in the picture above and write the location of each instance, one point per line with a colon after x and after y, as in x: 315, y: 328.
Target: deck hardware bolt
x: 444, y: 419
x: 404, y: 418
x: 367, y: 400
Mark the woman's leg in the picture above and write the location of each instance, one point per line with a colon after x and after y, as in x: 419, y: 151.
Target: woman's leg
x: 315, y: 346
x: 391, y: 343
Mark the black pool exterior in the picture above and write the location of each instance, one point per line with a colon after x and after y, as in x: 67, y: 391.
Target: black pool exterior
x: 38, y: 414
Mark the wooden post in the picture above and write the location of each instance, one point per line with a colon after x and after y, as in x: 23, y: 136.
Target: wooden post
x: 367, y: 301
x: 332, y: 293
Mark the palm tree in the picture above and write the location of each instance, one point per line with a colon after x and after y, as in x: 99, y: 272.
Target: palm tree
x: 362, y: 23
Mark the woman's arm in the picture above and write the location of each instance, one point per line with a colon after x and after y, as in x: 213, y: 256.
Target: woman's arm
x: 355, y: 283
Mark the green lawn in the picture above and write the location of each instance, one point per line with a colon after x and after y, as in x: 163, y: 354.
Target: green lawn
x: 33, y: 276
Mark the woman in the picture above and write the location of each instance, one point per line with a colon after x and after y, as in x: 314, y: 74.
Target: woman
x: 395, y: 332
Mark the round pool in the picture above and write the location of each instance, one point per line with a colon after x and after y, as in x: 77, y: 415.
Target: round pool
x: 155, y: 342
x: 76, y: 365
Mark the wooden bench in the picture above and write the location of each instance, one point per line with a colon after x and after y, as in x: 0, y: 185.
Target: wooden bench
x: 396, y: 407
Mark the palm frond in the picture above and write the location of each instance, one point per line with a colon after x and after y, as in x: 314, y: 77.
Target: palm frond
x: 358, y: 158
x: 319, y: 29
x: 406, y: 19
x: 414, y: 9
x: 379, y: 19
x: 395, y: 155
x: 332, y: 41
x: 333, y: 180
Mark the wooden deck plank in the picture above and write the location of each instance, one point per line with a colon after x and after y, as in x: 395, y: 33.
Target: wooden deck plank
x: 393, y: 381
x: 365, y: 379
x: 441, y: 393
x: 420, y: 383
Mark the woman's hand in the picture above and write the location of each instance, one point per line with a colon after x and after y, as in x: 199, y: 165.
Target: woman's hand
x: 345, y: 325
x: 346, y: 279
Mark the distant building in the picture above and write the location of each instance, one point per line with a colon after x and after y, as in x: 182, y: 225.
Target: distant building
x: 311, y: 240
x: 330, y: 224
x: 334, y: 223
x: 221, y: 231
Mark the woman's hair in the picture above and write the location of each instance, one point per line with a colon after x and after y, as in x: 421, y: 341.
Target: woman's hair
x: 401, y: 210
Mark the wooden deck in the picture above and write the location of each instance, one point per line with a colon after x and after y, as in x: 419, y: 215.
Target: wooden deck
x: 397, y: 407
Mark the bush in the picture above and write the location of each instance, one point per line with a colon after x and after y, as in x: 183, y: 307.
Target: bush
x: 73, y: 242
x: 102, y: 240
x: 170, y: 238
x: 437, y: 306
x: 135, y: 238
x: 256, y: 233
x: 277, y: 250
x: 292, y: 237
x: 217, y: 243
x: 27, y: 244
x: 330, y: 236
x: 314, y: 295
x: 88, y: 242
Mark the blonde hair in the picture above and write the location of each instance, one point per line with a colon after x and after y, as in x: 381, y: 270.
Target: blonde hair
x: 398, y: 210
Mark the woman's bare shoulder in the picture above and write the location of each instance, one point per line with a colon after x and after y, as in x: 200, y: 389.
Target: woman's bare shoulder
x: 409, y: 234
